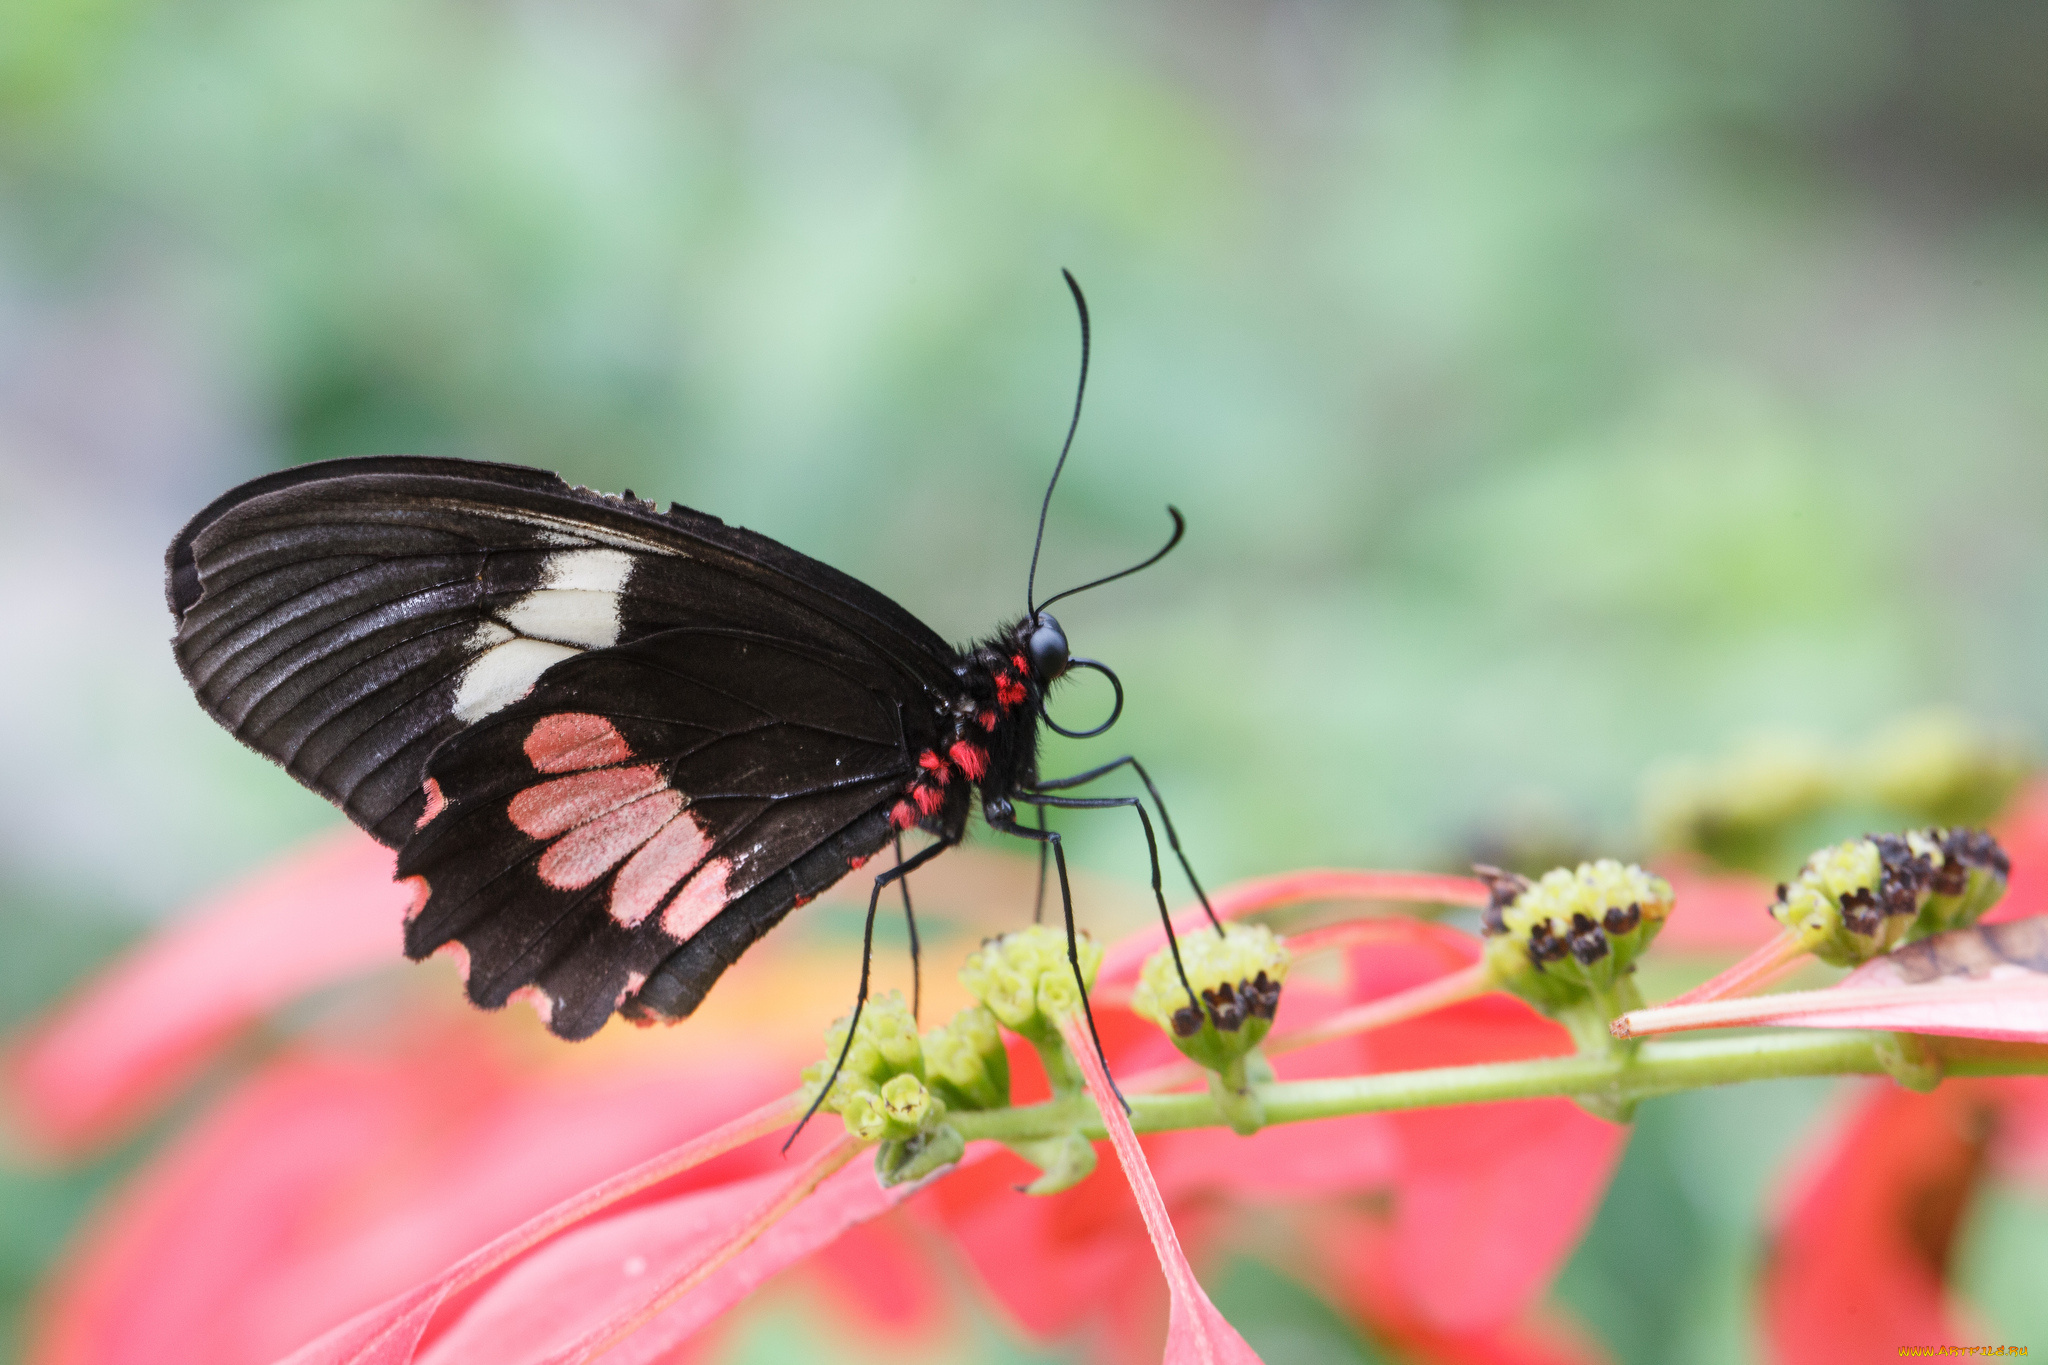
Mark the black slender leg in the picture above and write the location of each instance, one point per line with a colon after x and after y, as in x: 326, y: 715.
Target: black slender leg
x: 1006, y: 822
x: 1044, y: 852
x: 910, y: 919
x: 1151, y: 846
x: 1172, y: 839
x: 867, y: 959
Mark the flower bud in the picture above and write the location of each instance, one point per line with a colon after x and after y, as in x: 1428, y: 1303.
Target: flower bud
x: 1744, y: 810
x: 869, y: 1092
x: 964, y: 1061
x: 1574, y: 933
x: 1862, y: 897
x: 1236, y: 976
x: 1025, y: 980
x: 1939, y: 767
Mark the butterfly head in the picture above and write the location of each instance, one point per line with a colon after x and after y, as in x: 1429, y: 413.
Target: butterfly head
x: 1045, y: 646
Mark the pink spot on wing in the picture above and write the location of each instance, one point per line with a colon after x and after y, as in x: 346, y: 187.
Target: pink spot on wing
x: 551, y: 808
x: 634, y: 981
x: 420, y: 893
x: 589, y: 851
x: 649, y: 875
x: 436, y: 803
x: 455, y: 951
x: 543, y: 1003
x: 573, y: 741
x: 701, y: 897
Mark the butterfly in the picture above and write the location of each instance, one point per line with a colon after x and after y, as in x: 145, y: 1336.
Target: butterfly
x: 612, y: 745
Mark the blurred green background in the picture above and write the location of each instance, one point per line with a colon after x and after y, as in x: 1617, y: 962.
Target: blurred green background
x: 1551, y: 389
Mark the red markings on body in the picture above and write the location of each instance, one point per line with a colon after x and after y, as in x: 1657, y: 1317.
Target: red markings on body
x: 436, y: 803
x: 589, y: 851
x: 988, y: 720
x: 903, y: 815
x: 928, y: 799
x: 1009, y: 691
x: 703, y: 896
x: 552, y: 808
x: 932, y: 763
x: 573, y: 741
x: 662, y: 862
x: 970, y: 760
x: 1017, y: 662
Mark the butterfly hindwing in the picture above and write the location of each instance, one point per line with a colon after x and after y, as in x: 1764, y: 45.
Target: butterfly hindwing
x: 348, y: 618
x: 647, y: 812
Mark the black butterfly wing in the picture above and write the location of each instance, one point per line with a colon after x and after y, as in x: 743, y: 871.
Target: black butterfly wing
x: 348, y: 617
x: 618, y: 838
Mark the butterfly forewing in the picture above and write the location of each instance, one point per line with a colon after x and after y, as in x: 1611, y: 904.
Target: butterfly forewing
x: 348, y: 618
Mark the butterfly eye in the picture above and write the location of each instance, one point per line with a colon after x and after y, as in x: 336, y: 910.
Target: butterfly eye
x: 1048, y: 648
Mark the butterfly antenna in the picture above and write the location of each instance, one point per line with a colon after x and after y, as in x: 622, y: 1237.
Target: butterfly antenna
x: 1080, y: 390
x: 1180, y: 528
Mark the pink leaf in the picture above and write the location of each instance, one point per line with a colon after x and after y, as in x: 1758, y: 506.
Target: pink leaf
x: 1986, y: 982
x: 1196, y: 1334
x: 124, y: 1044
x: 632, y: 1287
x: 390, y: 1333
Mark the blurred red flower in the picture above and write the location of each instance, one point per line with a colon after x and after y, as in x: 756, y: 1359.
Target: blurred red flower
x: 1436, y: 1230
x: 1859, y: 1262
x: 356, y: 1164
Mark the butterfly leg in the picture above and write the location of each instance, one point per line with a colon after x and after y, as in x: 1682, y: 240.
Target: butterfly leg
x: 1044, y: 853
x: 1002, y: 817
x: 1151, y: 846
x: 1172, y: 839
x: 867, y: 959
x: 910, y: 919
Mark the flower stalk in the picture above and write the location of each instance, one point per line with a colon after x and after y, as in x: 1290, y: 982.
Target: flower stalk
x: 1656, y: 1068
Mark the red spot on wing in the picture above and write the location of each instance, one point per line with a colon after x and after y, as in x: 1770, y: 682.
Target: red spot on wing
x: 903, y: 815
x: 543, y: 1003
x: 552, y: 808
x: 573, y: 741
x: 455, y: 951
x: 703, y: 896
x: 436, y: 803
x: 634, y: 981
x: 801, y: 901
x: 589, y: 851
x: 855, y: 862
x: 970, y: 759
x: 420, y: 893
x: 653, y: 872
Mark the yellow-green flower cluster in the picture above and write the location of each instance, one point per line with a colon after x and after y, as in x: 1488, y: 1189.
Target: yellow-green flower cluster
x: 1861, y: 897
x: 1574, y: 932
x: 880, y: 1091
x: 1236, y: 975
x: 1026, y: 981
x: 964, y: 1061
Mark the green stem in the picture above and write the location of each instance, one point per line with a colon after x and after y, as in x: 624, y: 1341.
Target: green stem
x: 1657, y: 1068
